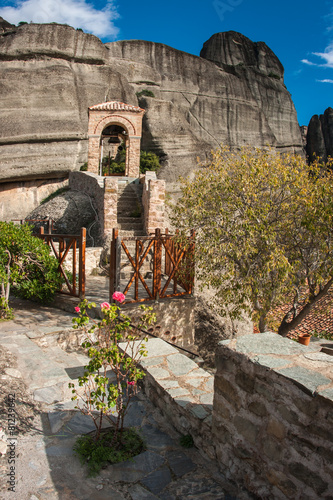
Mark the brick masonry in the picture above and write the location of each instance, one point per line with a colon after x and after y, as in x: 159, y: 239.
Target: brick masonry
x: 128, y: 117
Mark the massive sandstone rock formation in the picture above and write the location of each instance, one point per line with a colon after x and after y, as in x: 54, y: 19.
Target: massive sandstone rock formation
x: 233, y: 94
x: 320, y: 135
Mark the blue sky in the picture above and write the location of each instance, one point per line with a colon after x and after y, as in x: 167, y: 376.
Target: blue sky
x: 299, y: 32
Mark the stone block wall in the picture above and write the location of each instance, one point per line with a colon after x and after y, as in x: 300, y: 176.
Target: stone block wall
x: 110, y: 204
x: 182, y: 391
x: 153, y: 201
x: 104, y: 193
x: 175, y: 319
x: 18, y: 199
x: 273, y: 416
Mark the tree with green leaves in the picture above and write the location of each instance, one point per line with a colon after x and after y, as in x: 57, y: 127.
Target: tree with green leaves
x: 264, y: 232
x: 26, y: 267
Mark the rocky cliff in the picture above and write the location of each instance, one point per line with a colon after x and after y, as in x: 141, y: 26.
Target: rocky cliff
x: 320, y: 135
x: 233, y: 94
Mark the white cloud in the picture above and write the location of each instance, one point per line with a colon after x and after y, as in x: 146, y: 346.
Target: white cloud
x: 306, y: 61
x: 76, y: 13
x: 327, y: 80
x: 326, y: 56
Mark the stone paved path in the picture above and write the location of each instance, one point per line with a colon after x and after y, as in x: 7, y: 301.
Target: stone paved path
x: 45, y: 466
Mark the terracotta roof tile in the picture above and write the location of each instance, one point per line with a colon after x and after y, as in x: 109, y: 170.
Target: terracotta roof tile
x: 115, y: 105
x: 319, y: 320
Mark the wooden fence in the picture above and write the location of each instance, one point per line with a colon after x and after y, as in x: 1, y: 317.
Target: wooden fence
x: 61, y: 245
x: 171, y: 262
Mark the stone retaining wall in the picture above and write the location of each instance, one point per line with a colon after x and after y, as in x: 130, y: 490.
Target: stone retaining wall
x: 273, y: 416
x: 175, y: 319
x: 104, y: 194
x: 19, y: 199
x: 153, y: 201
x: 271, y: 423
x: 182, y: 391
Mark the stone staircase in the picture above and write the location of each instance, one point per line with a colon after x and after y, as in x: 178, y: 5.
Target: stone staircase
x: 130, y: 222
x: 129, y: 208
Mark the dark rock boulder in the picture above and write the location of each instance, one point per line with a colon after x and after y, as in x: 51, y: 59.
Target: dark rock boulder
x: 5, y: 26
x: 234, y: 49
x: 320, y: 136
x: 70, y: 211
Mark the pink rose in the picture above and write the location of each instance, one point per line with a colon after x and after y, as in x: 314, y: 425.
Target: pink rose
x: 118, y: 296
x: 77, y: 309
x: 105, y: 305
x: 131, y: 382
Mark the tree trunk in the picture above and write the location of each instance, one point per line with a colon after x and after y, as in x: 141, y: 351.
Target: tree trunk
x: 286, y: 326
x: 262, y: 324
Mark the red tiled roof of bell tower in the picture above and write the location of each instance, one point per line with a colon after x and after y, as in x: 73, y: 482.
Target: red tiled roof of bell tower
x: 115, y: 106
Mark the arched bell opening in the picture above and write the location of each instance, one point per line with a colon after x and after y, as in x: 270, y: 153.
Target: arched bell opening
x: 113, y: 150
x: 109, y: 123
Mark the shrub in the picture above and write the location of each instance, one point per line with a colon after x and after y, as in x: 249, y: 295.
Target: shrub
x: 26, y: 266
x: 145, y: 93
x: 101, y: 397
x: 149, y: 161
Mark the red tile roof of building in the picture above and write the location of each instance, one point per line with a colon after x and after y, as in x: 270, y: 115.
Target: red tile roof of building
x: 319, y: 320
x: 115, y: 105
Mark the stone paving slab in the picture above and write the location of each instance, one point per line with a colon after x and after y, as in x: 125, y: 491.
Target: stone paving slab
x: 47, y: 468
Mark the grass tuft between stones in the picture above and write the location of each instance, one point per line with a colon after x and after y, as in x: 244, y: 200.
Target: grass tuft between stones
x: 98, y: 454
x: 186, y: 441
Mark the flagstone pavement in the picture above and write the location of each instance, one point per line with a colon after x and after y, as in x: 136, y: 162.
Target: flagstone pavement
x: 45, y: 467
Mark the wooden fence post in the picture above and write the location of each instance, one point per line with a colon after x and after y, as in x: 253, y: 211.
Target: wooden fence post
x: 192, y: 265
x: 113, y: 264
x: 157, y: 264
x: 82, y: 263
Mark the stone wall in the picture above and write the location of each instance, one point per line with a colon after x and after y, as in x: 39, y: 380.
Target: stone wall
x: 18, y: 199
x: 175, y: 319
x: 153, y: 201
x: 104, y: 192
x: 181, y: 389
x: 273, y: 416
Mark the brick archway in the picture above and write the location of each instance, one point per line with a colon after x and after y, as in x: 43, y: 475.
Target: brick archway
x: 115, y: 113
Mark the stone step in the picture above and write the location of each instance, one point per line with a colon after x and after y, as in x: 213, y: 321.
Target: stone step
x: 134, y: 226
x: 127, y: 233
x: 124, y: 203
x: 130, y: 189
x: 123, y: 219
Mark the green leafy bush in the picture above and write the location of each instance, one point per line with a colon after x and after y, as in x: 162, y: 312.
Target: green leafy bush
x: 101, y: 398
x: 145, y: 93
x: 97, y: 454
x: 149, y: 161
x: 54, y: 194
x: 26, y: 266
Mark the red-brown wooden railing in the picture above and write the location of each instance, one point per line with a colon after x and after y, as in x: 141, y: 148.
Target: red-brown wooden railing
x: 74, y: 284
x: 163, y: 249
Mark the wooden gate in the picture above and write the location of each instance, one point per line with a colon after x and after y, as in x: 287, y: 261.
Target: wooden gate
x: 61, y: 245
x: 166, y: 258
